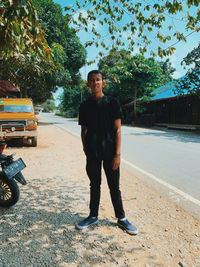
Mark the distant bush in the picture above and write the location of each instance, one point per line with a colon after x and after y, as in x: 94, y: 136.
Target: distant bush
x: 61, y: 114
x: 66, y: 114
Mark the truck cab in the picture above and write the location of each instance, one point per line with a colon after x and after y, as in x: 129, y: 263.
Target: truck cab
x: 18, y: 120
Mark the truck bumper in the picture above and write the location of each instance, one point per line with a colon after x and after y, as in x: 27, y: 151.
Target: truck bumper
x: 18, y: 134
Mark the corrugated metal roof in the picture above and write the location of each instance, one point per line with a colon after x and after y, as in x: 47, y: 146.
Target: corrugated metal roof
x: 166, y: 91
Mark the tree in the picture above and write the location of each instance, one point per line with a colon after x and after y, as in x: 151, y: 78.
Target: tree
x: 133, y: 77
x: 72, y: 96
x: 48, y: 105
x: 20, y: 32
x: 57, y: 31
x: 191, y: 81
x: 167, y: 71
x: 137, y: 19
x: 24, y: 51
x: 38, y: 63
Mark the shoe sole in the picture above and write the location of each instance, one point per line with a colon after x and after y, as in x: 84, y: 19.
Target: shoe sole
x: 84, y: 227
x: 128, y: 231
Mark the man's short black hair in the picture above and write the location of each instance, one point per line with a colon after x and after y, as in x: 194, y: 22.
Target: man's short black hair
x: 94, y: 72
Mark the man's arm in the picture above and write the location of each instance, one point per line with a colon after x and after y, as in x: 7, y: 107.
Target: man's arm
x: 116, y: 159
x: 83, y: 134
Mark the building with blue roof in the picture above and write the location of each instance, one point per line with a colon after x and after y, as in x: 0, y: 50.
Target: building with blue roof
x: 166, y: 91
x: 168, y: 108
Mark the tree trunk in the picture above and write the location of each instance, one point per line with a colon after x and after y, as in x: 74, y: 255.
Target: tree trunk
x: 135, y: 102
x: 23, y: 93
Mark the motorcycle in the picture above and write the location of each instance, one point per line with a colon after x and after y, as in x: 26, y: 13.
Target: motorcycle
x: 10, y: 173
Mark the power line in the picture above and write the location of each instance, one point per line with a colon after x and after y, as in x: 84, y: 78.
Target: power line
x: 132, y: 18
x: 180, y: 40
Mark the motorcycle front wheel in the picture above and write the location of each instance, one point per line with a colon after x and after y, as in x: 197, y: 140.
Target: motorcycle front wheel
x: 9, y: 192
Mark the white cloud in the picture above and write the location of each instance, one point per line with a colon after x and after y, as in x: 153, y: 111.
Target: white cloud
x: 173, y: 60
x: 178, y: 74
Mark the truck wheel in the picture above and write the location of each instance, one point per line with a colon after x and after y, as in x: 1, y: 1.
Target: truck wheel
x: 34, y: 141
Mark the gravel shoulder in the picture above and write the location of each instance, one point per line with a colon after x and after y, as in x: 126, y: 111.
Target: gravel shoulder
x: 39, y: 230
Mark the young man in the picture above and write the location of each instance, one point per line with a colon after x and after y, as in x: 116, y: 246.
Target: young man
x: 100, y: 120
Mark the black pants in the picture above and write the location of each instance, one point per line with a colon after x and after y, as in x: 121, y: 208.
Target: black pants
x: 93, y: 168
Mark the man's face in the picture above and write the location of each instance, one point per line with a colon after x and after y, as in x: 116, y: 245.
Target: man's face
x: 96, y: 83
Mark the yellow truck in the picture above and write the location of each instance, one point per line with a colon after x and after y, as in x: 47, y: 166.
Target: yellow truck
x: 18, y: 120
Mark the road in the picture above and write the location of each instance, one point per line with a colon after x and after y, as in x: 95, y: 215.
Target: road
x: 39, y: 230
x: 168, y: 156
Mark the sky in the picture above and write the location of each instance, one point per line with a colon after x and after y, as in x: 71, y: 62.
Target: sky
x: 182, y: 48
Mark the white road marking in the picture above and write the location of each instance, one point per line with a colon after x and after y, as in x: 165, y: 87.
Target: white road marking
x: 175, y: 190
x: 142, y: 137
x: 171, y: 187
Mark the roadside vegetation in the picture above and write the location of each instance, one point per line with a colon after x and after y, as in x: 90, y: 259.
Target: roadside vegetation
x: 40, y: 50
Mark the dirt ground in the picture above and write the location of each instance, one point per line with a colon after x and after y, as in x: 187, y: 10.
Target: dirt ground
x: 39, y: 230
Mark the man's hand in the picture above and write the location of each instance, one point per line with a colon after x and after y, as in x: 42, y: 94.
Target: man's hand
x: 116, y: 159
x: 116, y: 162
x: 83, y: 134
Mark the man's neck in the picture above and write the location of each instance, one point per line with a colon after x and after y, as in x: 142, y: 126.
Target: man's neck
x: 97, y: 96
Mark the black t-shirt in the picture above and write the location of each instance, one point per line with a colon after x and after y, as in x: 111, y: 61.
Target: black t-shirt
x: 99, y: 116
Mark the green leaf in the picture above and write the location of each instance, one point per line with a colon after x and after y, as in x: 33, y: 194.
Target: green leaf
x: 26, y: 10
x: 2, y: 23
x: 23, y: 2
x: 11, y: 2
x: 16, y: 29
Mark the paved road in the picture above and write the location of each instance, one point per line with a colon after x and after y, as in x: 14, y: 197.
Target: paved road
x: 167, y: 155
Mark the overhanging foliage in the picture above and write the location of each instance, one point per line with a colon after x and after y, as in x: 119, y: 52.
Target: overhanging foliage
x: 137, y: 20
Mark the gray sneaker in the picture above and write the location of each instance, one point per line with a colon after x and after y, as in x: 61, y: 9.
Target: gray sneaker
x: 86, y: 223
x: 127, y: 226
